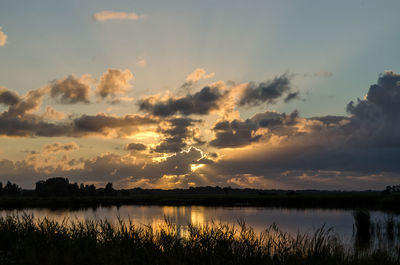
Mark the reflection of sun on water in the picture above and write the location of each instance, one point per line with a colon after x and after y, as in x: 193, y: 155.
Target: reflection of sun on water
x: 169, y: 211
x: 197, y: 216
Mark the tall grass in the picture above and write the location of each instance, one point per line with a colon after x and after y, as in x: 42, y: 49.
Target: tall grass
x: 26, y: 240
x: 363, y: 225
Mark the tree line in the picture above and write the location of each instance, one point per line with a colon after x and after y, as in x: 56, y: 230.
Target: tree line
x: 56, y: 187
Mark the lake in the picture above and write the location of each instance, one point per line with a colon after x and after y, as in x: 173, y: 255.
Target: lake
x: 288, y: 220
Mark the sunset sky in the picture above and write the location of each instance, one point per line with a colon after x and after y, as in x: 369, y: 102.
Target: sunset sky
x: 292, y: 94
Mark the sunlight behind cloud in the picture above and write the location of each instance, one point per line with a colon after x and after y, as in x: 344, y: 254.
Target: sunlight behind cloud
x: 194, y: 167
x: 112, y: 15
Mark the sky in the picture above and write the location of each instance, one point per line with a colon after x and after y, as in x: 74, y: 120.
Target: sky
x: 172, y: 94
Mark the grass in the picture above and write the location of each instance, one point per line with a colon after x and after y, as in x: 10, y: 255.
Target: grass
x: 26, y: 240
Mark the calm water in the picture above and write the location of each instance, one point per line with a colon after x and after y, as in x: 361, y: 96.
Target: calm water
x: 289, y: 220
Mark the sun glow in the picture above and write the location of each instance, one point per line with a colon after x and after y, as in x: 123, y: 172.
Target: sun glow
x: 194, y: 167
x: 144, y: 135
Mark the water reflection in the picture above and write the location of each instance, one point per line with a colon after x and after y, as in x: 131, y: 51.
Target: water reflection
x: 289, y: 220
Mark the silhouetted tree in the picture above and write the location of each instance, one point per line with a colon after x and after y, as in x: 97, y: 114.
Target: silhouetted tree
x: 227, y: 189
x: 87, y: 189
x: 90, y: 189
x: 11, y: 189
x: 56, y: 187
x: 109, y: 188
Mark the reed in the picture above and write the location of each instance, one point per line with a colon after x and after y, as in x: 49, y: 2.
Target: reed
x: 27, y: 240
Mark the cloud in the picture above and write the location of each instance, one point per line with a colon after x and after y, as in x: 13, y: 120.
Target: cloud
x: 60, y: 147
x: 219, y: 97
x: 179, y: 170
x: 375, y: 119
x: 234, y: 134
x: 112, y: 15
x: 136, y: 147
x: 104, y: 167
x: 322, y: 150
x: 195, y: 76
x: 177, y: 133
x: 29, y: 103
x: 109, y: 125
x: 291, y: 96
x: 8, y: 97
x: 268, y: 149
x: 114, y: 82
x: 198, y: 74
x: 52, y: 114
x: 32, y: 126
x: 3, y: 38
x: 20, y: 118
x: 240, y: 133
x: 323, y: 74
x: 141, y: 62
x: 275, y: 121
x: 267, y: 92
x: 71, y: 90
x: 85, y: 125
x: 203, y: 102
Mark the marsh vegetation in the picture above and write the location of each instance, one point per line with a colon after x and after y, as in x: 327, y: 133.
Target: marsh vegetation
x: 27, y: 240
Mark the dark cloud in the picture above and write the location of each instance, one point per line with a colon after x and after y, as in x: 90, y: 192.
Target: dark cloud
x: 201, y: 103
x: 17, y: 120
x: 331, y: 119
x: 8, y: 98
x: 271, y: 162
x: 267, y: 92
x: 71, y: 90
x: 32, y: 125
x: 136, y: 147
x: 29, y: 103
x: 100, y: 123
x: 239, y: 133
x: 60, y: 147
x: 375, y: 120
x: 365, y: 144
x: 177, y: 164
x: 176, y: 134
x: 274, y: 120
x: 234, y: 134
x: 292, y: 96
